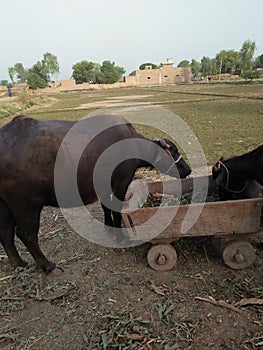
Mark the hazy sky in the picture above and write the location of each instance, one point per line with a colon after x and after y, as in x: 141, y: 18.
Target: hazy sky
x: 126, y: 32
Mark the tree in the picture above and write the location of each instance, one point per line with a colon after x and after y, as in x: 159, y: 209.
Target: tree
x: 109, y: 73
x: 12, y: 73
x: 259, y: 62
x: 205, y: 66
x: 208, y: 66
x: 228, y: 61
x: 184, y: 63
x: 47, y: 69
x: 40, y: 69
x: 246, y: 55
x: 50, y: 65
x: 96, y: 73
x: 17, y: 73
x: 4, y: 83
x: 34, y: 80
x: 21, y: 73
x: 37, y: 76
x: 195, y: 68
x: 246, y: 60
x: 250, y: 74
x: 44, y: 69
x: 84, y: 72
x: 143, y: 65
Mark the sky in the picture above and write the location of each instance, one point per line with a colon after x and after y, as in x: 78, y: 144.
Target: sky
x: 128, y: 33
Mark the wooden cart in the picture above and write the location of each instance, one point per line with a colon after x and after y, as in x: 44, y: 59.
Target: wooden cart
x: 230, y: 222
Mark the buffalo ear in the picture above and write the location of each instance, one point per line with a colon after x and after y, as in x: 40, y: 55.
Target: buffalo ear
x: 221, y: 159
x: 163, y: 143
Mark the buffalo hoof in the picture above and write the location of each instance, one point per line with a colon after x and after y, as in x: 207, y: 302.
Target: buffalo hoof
x: 48, y: 267
x: 20, y: 263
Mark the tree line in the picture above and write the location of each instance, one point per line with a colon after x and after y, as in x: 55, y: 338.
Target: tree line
x: 39, y: 75
x: 228, y: 61
x: 90, y: 72
x: 46, y: 70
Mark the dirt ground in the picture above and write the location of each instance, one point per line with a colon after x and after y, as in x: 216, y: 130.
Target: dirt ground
x: 102, y: 298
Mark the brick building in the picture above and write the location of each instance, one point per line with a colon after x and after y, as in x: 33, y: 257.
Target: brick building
x: 167, y: 74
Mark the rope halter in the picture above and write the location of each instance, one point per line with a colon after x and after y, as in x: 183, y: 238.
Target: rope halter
x: 174, y: 161
x: 226, y: 186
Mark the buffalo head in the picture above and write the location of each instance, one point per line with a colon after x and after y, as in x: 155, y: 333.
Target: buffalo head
x: 220, y: 173
x: 228, y: 178
x: 175, y: 163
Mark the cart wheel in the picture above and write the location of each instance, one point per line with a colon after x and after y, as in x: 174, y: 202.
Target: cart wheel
x: 162, y: 257
x: 239, y: 254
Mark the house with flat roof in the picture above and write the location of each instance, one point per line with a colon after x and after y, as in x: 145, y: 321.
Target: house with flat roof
x: 167, y: 74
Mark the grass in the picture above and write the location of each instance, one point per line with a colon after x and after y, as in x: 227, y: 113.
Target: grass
x: 7, y: 109
x: 224, y: 126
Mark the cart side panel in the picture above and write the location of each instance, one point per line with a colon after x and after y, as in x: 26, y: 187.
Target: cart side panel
x: 224, y: 218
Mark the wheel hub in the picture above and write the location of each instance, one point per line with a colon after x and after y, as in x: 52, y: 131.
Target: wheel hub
x: 161, y: 260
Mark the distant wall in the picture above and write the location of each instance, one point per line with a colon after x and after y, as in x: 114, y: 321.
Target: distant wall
x: 165, y: 75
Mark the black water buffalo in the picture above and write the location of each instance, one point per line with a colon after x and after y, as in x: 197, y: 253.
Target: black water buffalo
x: 233, y: 174
x: 31, y: 149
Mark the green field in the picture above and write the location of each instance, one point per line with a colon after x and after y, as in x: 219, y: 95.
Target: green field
x: 226, y: 118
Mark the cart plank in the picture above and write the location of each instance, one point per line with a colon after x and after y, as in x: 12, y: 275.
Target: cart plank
x: 216, y: 218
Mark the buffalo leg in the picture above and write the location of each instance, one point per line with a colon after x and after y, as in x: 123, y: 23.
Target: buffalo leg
x: 27, y: 231
x: 112, y: 220
x: 108, y: 222
x: 112, y: 217
x: 7, y: 234
x: 117, y: 217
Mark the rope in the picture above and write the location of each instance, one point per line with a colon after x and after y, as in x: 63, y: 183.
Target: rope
x: 227, y: 181
x: 174, y: 162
